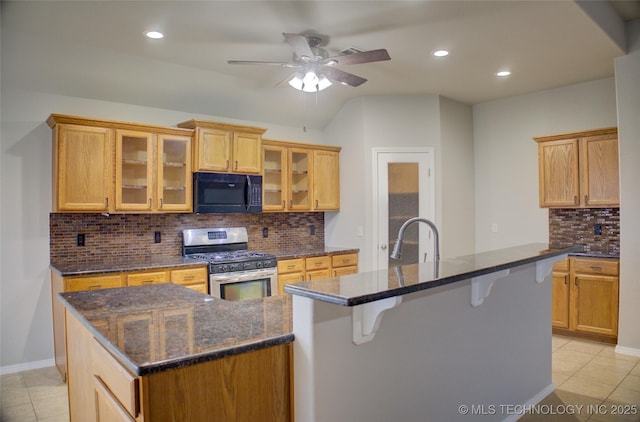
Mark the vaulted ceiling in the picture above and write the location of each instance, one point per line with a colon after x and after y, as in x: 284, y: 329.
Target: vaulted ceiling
x: 97, y: 49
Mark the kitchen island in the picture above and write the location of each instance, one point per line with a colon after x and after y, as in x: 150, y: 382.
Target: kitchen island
x: 468, y: 338
x: 165, y: 352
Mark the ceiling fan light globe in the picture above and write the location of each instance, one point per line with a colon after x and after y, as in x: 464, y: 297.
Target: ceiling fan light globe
x: 323, y: 83
x: 296, y: 82
x: 310, y: 79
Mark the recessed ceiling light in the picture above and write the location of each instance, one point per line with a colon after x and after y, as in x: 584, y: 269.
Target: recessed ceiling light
x: 155, y: 35
x: 440, y: 53
x: 503, y: 73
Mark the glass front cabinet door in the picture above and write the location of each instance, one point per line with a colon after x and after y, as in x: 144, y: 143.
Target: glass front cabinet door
x: 134, y: 171
x: 174, y: 173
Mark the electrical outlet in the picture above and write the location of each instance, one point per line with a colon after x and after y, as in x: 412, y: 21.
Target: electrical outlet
x: 597, y: 229
x: 157, y: 237
x: 80, y: 239
x: 312, y: 230
x: 265, y: 232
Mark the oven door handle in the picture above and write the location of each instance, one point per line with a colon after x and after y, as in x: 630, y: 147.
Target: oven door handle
x: 244, y: 275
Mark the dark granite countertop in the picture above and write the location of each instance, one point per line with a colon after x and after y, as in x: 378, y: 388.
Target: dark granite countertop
x: 159, y: 327
x: 302, y: 253
x: 115, y: 265
x: 356, y: 289
x: 595, y: 255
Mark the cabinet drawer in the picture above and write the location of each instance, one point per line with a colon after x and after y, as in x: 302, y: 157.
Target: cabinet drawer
x: 344, y: 260
x: 138, y: 279
x: 317, y: 263
x: 340, y: 271
x: 596, y: 266
x: 122, y: 384
x: 561, y: 265
x: 290, y: 265
x: 318, y: 275
x: 189, y: 276
x: 93, y: 283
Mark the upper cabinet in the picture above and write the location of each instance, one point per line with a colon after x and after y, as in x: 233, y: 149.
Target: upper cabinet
x: 579, y: 169
x: 300, y: 177
x: 226, y: 148
x: 108, y: 166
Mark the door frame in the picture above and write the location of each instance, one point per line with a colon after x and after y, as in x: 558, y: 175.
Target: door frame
x: 430, y: 212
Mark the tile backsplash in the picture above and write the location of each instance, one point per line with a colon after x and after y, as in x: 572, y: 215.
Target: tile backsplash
x: 575, y: 226
x: 132, y: 235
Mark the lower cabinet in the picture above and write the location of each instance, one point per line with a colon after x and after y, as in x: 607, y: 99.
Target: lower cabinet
x: 315, y: 268
x: 195, y: 278
x: 250, y: 386
x: 585, y: 297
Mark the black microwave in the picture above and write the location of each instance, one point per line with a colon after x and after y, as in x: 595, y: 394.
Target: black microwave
x: 218, y: 193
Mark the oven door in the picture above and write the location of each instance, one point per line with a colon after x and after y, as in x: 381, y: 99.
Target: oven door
x: 244, y: 285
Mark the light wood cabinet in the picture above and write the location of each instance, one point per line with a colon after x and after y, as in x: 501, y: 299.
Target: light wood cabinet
x: 344, y: 264
x: 579, y: 169
x: 227, y: 148
x: 82, y: 167
x: 560, y: 294
x: 585, y: 297
x: 195, y: 278
x: 153, y: 172
x: 110, y: 166
x: 313, y: 268
x: 326, y: 176
x: 254, y: 385
x: 300, y: 177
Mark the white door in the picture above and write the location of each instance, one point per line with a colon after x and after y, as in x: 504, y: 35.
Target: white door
x: 403, y: 188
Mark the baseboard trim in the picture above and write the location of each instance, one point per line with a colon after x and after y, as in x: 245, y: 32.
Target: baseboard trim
x: 531, y: 402
x: 627, y: 351
x: 11, y: 369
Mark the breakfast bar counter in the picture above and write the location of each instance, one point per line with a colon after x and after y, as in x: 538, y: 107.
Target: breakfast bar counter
x: 451, y: 341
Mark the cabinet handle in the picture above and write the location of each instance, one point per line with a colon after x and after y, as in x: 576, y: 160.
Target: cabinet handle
x: 593, y: 267
x: 302, y: 277
x: 106, y: 202
x: 316, y: 203
x: 189, y: 277
x: 284, y: 204
x: 96, y: 286
x: 236, y: 165
x: 576, y: 281
x: 586, y: 199
x: 566, y: 279
x: 575, y: 199
x: 291, y: 203
x: 161, y: 202
x: 227, y: 168
x: 147, y: 281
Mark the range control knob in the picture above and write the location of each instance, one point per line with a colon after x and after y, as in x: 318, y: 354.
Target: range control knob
x: 246, y: 265
x: 223, y: 268
x: 258, y: 264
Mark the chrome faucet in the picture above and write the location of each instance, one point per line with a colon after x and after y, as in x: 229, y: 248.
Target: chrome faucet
x: 397, y: 248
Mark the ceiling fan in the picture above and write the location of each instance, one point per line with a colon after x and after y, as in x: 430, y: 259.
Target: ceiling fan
x: 316, y: 70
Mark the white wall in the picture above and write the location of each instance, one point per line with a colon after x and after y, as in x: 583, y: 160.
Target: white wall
x: 628, y: 96
x: 506, y: 157
x: 25, y: 302
x: 457, y: 173
x: 403, y: 121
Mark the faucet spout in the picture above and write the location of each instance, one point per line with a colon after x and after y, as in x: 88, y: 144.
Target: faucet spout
x: 396, y: 253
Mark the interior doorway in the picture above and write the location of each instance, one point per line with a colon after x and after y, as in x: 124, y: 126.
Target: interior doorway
x: 403, y: 188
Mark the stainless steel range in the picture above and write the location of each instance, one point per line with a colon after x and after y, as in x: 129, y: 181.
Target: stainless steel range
x: 235, y: 273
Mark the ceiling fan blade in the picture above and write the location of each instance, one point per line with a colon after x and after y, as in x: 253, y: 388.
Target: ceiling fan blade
x: 357, y: 58
x: 337, y: 75
x: 254, y: 62
x: 300, y: 46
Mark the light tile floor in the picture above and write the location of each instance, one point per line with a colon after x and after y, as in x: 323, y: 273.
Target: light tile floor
x: 592, y: 381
